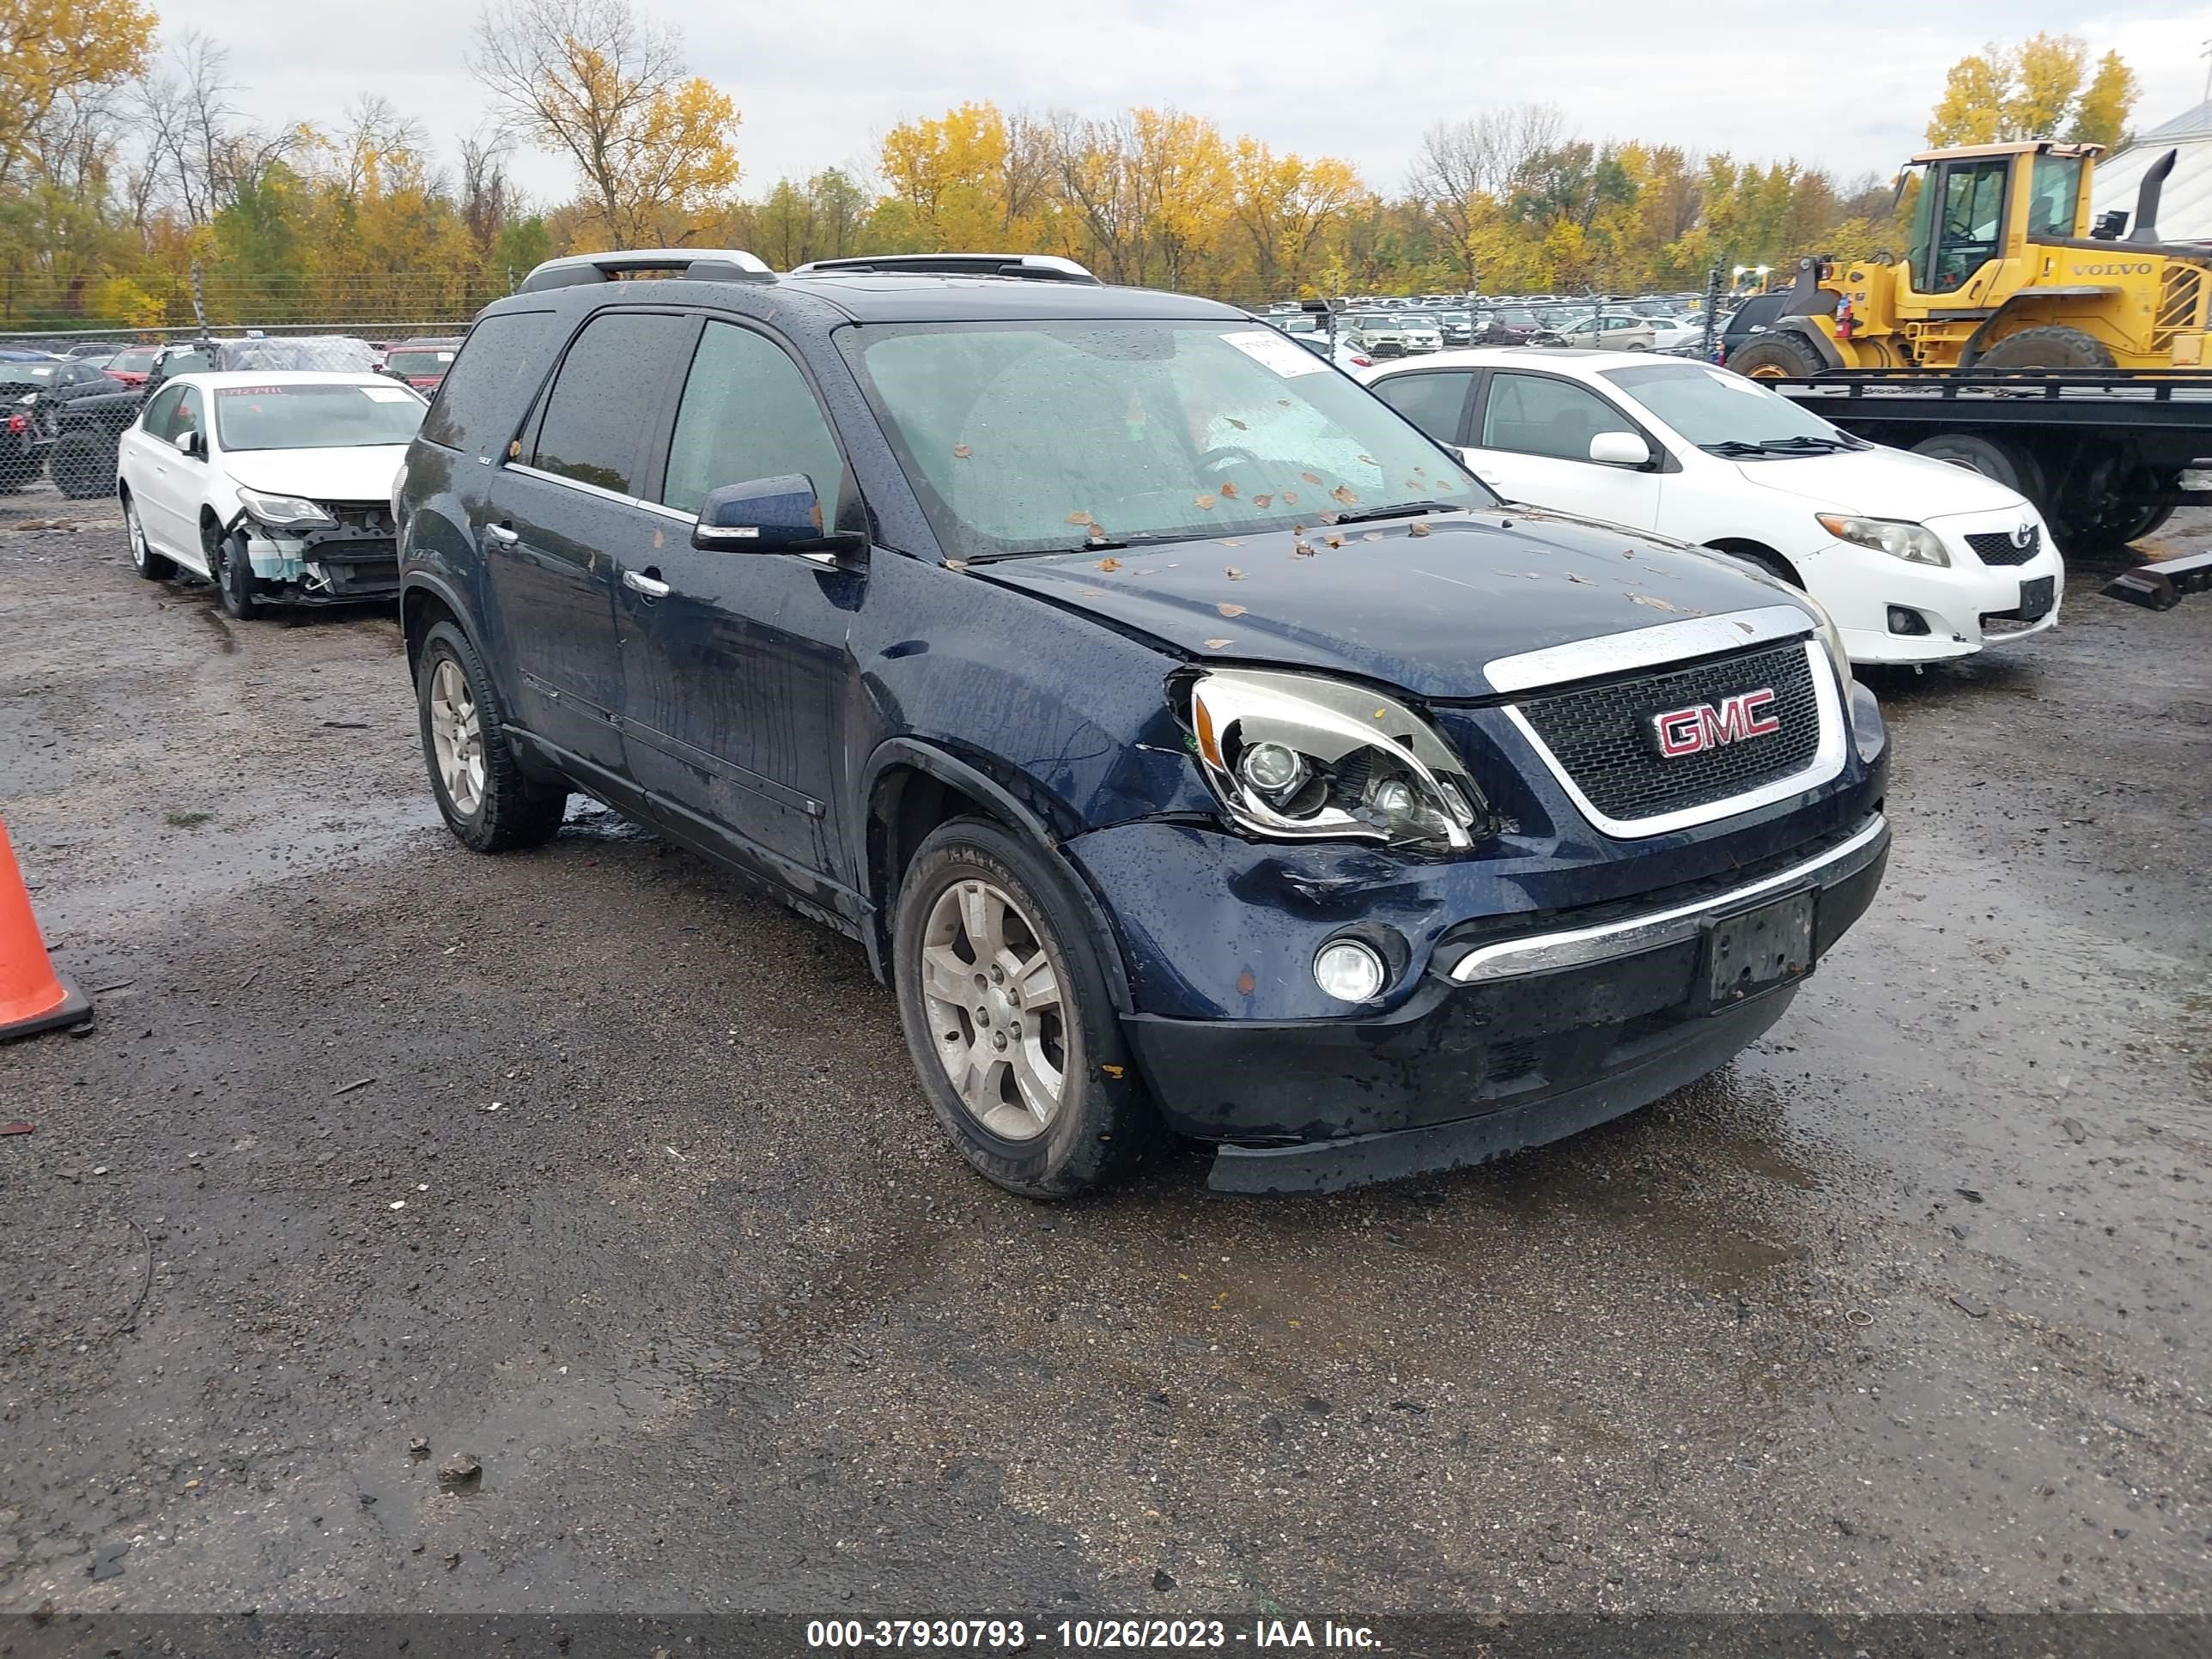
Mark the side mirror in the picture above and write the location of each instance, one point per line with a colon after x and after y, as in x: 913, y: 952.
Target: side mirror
x: 188, y: 443
x: 768, y: 515
x: 1620, y: 449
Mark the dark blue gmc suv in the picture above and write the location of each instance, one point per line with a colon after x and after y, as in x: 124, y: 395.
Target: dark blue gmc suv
x: 1190, y: 741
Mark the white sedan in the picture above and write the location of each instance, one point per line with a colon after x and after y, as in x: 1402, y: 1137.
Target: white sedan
x: 1916, y: 559
x: 273, y: 484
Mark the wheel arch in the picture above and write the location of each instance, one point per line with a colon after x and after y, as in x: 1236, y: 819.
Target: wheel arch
x: 908, y: 788
x: 424, y: 601
x: 1759, y: 553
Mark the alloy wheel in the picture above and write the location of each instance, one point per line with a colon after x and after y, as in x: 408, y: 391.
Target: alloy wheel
x: 457, y: 737
x: 998, y: 1016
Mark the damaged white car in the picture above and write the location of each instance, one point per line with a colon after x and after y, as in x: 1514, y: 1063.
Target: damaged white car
x: 275, y: 485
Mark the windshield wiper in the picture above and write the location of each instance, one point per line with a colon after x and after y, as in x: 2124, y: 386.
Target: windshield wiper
x: 1815, y: 445
x: 1055, y: 552
x: 1403, y: 510
x: 1735, y: 447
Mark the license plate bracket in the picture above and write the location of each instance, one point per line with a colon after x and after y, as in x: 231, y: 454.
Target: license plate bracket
x: 1759, y: 950
x: 2037, y: 597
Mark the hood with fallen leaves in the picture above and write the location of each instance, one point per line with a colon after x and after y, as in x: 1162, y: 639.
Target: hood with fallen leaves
x: 1418, y: 604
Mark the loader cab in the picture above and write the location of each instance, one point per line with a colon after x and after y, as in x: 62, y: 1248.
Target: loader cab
x: 1981, y: 204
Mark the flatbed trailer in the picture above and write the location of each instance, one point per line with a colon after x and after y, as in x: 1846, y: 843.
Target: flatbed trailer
x: 2106, y: 454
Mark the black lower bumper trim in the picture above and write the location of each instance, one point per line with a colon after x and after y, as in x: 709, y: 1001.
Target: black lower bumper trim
x: 1328, y: 1166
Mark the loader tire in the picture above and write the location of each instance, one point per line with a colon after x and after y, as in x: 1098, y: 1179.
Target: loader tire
x: 1778, y: 356
x: 2000, y: 463
x: 2047, y: 348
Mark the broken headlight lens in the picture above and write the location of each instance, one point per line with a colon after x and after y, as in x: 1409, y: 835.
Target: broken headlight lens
x: 284, y: 512
x: 1293, y: 757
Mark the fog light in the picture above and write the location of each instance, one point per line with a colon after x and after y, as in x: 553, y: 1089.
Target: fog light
x: 1349, y: 971
x: 1904, y: 621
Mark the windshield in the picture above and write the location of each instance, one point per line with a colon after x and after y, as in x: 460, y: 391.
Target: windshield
x: 1047, y: 436
x: 309, y: 416
x: 28, y: 374
x: 1711, y: 406
x: 419, y: 362
x: 134, y: 360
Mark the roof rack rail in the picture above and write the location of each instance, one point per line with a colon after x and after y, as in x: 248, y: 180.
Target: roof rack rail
x: 699, y: 264
x: 1035, y: 267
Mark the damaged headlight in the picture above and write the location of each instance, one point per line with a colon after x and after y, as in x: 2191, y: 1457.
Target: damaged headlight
x: 1295, y: 757
x: 285, y: 512
x: 1898, y: 537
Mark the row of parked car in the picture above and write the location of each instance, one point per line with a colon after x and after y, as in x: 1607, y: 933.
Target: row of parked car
x: 65, y: 410
x: 1375, y: 330
x: 1363, y: 774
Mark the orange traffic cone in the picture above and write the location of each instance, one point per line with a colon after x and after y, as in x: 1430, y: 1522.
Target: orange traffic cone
x: 33, y: 997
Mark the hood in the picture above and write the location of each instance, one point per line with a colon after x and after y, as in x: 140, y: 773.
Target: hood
x: 320, y: 475
x: 1422, y: 612
x: 1883, y: 484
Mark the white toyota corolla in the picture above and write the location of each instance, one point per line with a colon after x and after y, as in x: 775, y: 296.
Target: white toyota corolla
x: 1916, y: 559
x: 274, y: 484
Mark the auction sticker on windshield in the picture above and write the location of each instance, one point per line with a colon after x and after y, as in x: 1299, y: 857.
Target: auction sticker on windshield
x: 387, y: 394
x: 1271, y: 350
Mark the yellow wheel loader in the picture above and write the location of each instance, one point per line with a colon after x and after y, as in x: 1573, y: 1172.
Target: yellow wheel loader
x: 2004, y: 270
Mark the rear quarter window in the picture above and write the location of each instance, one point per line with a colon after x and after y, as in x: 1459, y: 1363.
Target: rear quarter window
x: 489, y: 385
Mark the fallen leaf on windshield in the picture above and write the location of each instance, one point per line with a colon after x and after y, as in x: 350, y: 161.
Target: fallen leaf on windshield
x: 1368, y: 461
x: 1232, y: 541
x: 955, y: 564
x: 1651, y: 600
x: 1230, y: 610
x: 1092, y: 593
x: 1110, y: 564
x: 1579, y: 582
x: 1310, y: 478
x: 961, y: 452
x: 1078, y: 517
x: 1302, y: 549
x: 1218, y: 645
x: 1328, y: 518
x: 1290, y: 498
x: 1228, y: 490
x: 1235, y: 574
x: 1371, y: 535
x: 1284, y: 402
x: 1234, y: 422
x: 1203, y: 503
x: 1334, y: 541
x: 1343, y: 493
x: 1417, y: 528
x: 1261, y: 501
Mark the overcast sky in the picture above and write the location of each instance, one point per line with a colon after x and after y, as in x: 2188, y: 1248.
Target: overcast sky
x: 818, y: 84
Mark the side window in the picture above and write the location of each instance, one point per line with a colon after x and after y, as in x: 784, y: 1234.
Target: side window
x: 160, y: 410
x: 1431, y: 401
x: 191, y: 414
x: 1536, y: 415
x: 1970, y: 223
x: 748, y: 413
x: 605, y: 402
x: 481, y: 402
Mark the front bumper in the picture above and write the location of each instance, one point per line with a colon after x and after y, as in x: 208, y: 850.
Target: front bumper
x: 1515, y: 1037
x: 1858, y: 585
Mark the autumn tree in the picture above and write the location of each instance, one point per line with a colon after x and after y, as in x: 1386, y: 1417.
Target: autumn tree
x: 1467, y: 168
x: 596, y: 82
x: 53, y: 51
x: 2040, y: 88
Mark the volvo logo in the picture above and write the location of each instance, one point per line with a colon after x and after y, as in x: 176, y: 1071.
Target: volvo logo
x: 2116, y: 268
x: 1692, y: 731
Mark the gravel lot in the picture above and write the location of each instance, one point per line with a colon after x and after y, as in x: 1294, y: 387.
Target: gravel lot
x: 1906, y: 1310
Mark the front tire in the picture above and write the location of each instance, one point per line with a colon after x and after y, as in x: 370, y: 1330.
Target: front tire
x: 489, y: 803
x: 1007, y: 1016
x: 2014, y: 468
x: 152, y: 566
x: 233, y: 572
x: 1785, y: 356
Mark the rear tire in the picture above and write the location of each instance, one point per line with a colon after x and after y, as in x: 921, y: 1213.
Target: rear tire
x: 143, y: 559
x: 999, y: 983
x: 2047, y: 348
x: 82, y: 465
x: 490, y: 803
x: 2000, y: 463
x: 1776, y: 357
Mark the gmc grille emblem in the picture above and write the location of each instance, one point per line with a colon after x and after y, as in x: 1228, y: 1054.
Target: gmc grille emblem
x: 1692, y: 731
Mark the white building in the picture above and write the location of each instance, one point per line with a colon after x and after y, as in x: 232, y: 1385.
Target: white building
x: 2184, y: 209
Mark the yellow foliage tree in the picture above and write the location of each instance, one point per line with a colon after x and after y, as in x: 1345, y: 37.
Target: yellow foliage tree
x: 2033, y: 90
x: 51, y: 51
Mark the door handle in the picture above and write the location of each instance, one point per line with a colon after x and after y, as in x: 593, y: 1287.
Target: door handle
x: 646, y: 581
x: 505, y: 534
